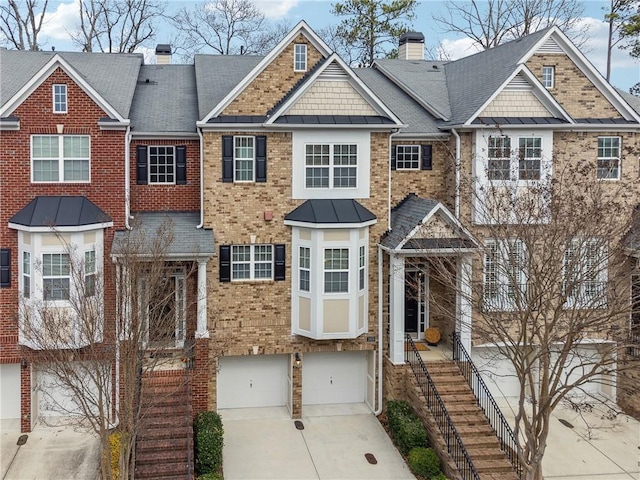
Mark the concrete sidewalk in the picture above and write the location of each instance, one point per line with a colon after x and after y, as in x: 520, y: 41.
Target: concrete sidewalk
x: 50, y: 453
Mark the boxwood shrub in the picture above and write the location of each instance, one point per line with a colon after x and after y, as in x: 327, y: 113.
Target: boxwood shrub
x: 208, y: 441
x: 405, y: 426
x: 424, y: 462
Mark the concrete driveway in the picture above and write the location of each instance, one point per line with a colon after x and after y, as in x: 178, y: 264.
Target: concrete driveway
x: 265, y: 444
x: 50, y: 453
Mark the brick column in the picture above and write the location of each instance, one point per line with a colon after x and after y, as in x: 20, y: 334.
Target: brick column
x: 200, y: 376
x: 25, y: 398
x: 296, y: 387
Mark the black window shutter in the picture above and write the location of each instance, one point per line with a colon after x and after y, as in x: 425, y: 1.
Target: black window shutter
x: 426, y: 157
x: 225, y: 263
x: 393, y: 157
x: 142, y: 165
x: 5, y: 267
x: 280, y: 262
x: 261, y: 158
x: 181, y: 165
x: 227, y: 158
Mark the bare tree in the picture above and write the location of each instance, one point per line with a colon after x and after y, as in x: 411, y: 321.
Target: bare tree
x: 493, y: 22
x: 21, y: 22
x: 619, y: 14
x: 551, y: 286
x: 116, y: 26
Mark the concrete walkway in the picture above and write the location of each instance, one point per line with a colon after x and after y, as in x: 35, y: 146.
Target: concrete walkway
x: 265, y: 444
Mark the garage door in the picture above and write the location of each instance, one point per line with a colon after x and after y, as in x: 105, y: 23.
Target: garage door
x: 497, y: 372
x: 579, y: 364
x: 336, y: 377
x: 252, y: 381
x: 9, y: 396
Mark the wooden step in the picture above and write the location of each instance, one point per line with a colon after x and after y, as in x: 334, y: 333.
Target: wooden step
x: 493, y: 466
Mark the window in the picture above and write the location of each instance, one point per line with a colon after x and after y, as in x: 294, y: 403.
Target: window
x: 548, y: 74
x: 530, y: 158
x: 60, y: 158
x: 336, y: 270
x: 300, y: 57
x: 609, y: 158
x: 362, y: 268
x: 26, y: 274
x: 55, y: 276
x: 505, y: 281
x: 243, y: 159
x: 90, y: 273
x: 407, y: 157
x: 161, y: 165
x: 331, y: 166
x: 252, y: 262
x: 59, y: 99
x: 305, y: 269
x: 585, y: 273
x: 499, y: 165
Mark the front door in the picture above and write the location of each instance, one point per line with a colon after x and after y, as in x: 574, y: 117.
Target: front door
x: 415, y: 303
x: 165, y: 312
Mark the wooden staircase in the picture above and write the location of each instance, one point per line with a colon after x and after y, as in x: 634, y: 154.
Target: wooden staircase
x: 164, y: 447
x: 470, y: 421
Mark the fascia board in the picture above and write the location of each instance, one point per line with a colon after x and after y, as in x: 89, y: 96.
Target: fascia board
x: 324, y: 226
x: 54, y: 228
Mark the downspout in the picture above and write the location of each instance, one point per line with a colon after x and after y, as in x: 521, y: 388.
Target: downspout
x: 127, y: 178
x: 380, y: 330
x: 457, y: 194
x: 201, y: 179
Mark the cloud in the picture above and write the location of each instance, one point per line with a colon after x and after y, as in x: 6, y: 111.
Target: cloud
x: 275, y: 9
x: 59, y: 22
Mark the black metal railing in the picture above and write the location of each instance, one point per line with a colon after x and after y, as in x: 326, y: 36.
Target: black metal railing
x: 488, y: 404
x: 454, y: 444
x: 188, y: 368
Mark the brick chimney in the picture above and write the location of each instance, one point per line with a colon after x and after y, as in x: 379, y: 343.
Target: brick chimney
x: 411, y: 46
x: 163, y: 54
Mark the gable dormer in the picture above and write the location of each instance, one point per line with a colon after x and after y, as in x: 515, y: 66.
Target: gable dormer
x: 517, y: 99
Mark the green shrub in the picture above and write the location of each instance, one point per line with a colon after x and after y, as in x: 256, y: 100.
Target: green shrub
x: 212, y: 476
x: 440, y: 476
x: 406, y: 428
x: 424, y: 462
x: 208, y: 433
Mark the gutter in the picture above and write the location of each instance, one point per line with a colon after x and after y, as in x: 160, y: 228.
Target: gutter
x: 380, y: 330
x: 201, y: 179
x: 457, y: 194
x: 127, y: 178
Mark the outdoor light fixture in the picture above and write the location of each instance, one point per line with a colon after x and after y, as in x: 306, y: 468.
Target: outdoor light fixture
x: 297, y: 361
x: 23, y: 363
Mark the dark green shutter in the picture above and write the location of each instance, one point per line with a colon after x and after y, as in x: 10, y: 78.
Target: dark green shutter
x: 181, y: 165
x: 261, y: 158
x: 227, y: 158
x: 5, y: 267
x: 426, y: 157
x: 225, y: 263
x: 142, y: 165
x: 280, y: 262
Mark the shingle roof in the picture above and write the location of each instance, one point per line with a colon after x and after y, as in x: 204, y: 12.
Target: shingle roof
x: 112, y: 75
x: 630, y: 99
x: 217, y: 75
x: 165, y: 99
x: 330, y: 211
x: 187, y: 240
x: 60, y: 211
x: 406, y: 216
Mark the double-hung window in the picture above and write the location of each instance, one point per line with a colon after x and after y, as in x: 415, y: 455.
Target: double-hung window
x: 60, y: 158
x: 548, y: 76
x: 407, y: 157
x: 300, y: 57
x: 252, y: 262
x: 499, y: 163
x: 26, y: 274
x: 162, y: 166
x: 336, y: 270
x: 585, y: 273
x: 59, y: 98
x: 505, y: 281
x: 530, y: 163
x: 331, y: 165
x: 305, y: 269
x: 243, y: 159
x: 56, y: 276
x: 362, y: 268
x: 609, y: 158
x: 90, y: 273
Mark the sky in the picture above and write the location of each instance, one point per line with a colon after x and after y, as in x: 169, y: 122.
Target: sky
x: 317, y: 13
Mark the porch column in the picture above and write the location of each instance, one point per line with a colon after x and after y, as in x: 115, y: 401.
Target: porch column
x: 201, y: 329
x: 396, y: 309
x: 463, y: 301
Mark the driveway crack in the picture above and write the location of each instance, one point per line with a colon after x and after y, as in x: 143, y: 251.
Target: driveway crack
x: 309, y: 451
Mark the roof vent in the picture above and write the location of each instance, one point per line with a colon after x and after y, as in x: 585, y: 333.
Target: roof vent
x: 163, y: 54
x: 411, y: 46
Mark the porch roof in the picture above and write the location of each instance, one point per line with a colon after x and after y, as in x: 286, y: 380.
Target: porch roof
x: 187, y: 240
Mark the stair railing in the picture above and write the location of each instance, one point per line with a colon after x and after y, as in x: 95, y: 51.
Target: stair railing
x: 488, y: 404
x: 188, y: 368
x: 452, y: 439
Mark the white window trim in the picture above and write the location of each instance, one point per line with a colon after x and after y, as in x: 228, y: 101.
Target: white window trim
x: 253, y: 263
x: 303, y: 47
x: 618, y: 159
x: 61, y: 159
x: 529, y: 159
x: 553, y: 76
x: 582, y: 300
x: 67, y: 276
x: 302, y: 268
x: 26, y: 275
x: 236, y: 159
x: 362, y: 268
x: 66, y: 98
x: 508, y: 158
x: 332, y: 167
x: 149, y: 155
x: 325, y: 270
x: 419, y: 160
x: 504, y: 299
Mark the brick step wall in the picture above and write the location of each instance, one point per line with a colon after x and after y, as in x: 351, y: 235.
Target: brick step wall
x: 165, y: 438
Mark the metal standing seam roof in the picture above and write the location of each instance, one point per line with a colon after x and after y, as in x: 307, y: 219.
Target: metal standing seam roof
x: 320, y: 211
x: 187, y: 240
x: 112, y: 75
x: 60, y: 211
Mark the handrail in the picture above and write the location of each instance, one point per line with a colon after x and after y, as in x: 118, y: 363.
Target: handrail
x: 488, y: 404
x: 455, y: 447
x: 189, y: 347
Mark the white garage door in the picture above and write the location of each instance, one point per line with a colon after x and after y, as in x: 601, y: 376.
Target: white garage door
x: 497, y: 372
x: 9, y: 396
x: 336, y: 377
x: 579, y: 364
x: 252, y: 381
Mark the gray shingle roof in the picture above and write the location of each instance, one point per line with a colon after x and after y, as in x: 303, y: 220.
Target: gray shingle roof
x: 187, y: 242
x: 60, y: 211
x: 165, y: 99
x: 112, y: 75
x: 630, y: 99
x: 417, y: 119
x: 330, y: 211
x: 406, y: 216
x: 217, y: 75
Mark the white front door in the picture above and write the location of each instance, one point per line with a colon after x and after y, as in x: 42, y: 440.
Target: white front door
x: 333, y: 377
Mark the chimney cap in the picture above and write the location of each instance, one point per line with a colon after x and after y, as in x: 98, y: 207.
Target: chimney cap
x: 411, y: 37
x: 163, y: 49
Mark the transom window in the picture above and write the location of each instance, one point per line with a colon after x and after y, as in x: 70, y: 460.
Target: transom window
x: 530, y: 158
x: 336, y: 270
x: 305, y: 269
x: 331, y: 165
x: 56, y: 281
x: 59, y: 99
x: 60, y: 158
x: 499, y: 165
x: 300, y: 57
x: 252, y: 262
x: 548, y: 76
x: 162, y: 165
x: 609, y: 158
x: 407, y: 157
x: 244, y: 156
